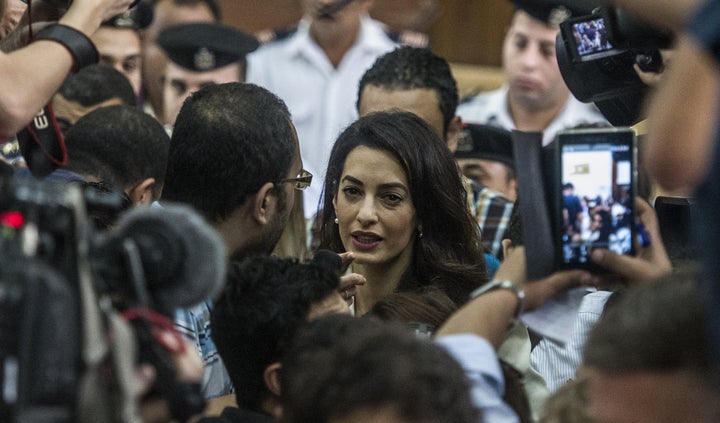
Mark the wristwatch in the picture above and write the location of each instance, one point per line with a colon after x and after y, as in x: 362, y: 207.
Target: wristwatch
x: 502, y: 284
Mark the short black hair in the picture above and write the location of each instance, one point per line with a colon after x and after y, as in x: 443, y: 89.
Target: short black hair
x: 408, y: 68
x: 339, y: 365
x: 264, y: 302
x: 96, y: 83
x: 658, y: 326
x: 229, y: 139
x: 118, y: 145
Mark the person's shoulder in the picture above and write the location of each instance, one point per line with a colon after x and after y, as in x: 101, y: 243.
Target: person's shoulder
x: 477, y: 108
x: 577, y: 112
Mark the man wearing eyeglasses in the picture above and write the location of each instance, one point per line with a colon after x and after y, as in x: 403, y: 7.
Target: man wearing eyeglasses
x: 235, y: 158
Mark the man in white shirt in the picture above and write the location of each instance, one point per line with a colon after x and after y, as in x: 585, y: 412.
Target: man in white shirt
x: 535, y: 97
x: 316, y: 72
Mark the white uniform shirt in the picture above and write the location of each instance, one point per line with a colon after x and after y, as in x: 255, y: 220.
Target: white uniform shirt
x: 321, y: 98
x: 491, y: 108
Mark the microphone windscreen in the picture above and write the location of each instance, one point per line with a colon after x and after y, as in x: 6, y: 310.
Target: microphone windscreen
x: 183, y: 257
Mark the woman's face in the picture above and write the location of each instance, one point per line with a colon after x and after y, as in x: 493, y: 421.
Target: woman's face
x: 374, y: 208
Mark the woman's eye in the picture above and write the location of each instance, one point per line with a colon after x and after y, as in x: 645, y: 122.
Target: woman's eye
x: 351, y: 191
x: 393, y: 198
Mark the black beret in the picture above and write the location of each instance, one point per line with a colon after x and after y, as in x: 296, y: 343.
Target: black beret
x: 205, y: 46
x: 552, y: 12
x: 485, y: 142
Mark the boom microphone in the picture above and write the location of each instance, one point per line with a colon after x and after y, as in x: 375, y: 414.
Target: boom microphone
x: 183, y: 258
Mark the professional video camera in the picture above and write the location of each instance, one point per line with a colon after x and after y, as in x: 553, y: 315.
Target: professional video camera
x: 596, y: 54
x: 78, y: 309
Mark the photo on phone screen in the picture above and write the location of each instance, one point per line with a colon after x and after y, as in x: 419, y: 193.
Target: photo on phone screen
x: 597, y: 179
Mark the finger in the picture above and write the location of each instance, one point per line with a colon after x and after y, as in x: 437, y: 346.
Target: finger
x: 631, y: 268
x: 346, y: 258
x: 351, y: 281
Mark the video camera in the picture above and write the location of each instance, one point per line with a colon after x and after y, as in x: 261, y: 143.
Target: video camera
x: 78, y: 308
x: 596, y: 54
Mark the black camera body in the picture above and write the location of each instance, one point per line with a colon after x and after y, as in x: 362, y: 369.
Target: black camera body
x: 67, y: 353
x: 596, y: 54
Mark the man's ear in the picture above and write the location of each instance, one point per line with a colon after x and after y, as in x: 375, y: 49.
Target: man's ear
x: 453, y: 131
x: 142, y: 193
x: 271, y: 377
x: 262, y: 202
x: 507, y: 247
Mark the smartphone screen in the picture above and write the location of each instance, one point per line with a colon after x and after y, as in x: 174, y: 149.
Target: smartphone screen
x: 597, y: 170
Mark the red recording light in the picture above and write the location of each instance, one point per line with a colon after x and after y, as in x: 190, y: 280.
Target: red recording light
x: 12, y: 219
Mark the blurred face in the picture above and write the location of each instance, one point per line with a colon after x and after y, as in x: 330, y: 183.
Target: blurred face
x: 375, y: 210
x: 347, y: 20
x: 179, y: 83
x: 120, y: 48
x: 649, y: 397
x: 492, y: 174
x: 154, y: 58
x: 280, y: 202
x: 530, y: 64
x: 375, y: 415
x: 423, y: 102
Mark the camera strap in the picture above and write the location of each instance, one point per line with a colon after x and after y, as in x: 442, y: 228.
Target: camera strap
x: 42, y: 143
x: 534, y: 208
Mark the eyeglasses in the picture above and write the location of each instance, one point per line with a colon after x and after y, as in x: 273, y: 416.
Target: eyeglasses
x: 302, y: 181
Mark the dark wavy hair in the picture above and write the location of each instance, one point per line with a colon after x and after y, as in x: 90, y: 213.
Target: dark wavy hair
x: 265, y: 301
x: 339, y: 365
x: 449, y: 254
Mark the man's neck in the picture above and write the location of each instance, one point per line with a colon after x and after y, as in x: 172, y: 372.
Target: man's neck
x: 335, y: 45
x: 529, y: 119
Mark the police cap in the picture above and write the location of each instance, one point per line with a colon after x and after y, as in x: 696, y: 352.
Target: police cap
x: 205, y: 46
x: 553, y: 12
x: 485, y: 142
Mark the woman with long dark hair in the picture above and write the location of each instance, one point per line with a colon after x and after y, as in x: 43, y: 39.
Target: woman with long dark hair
x: 394, y: 198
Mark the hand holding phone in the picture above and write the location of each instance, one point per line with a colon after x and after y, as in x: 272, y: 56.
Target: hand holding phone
x: 596, y: 173
x: 651, y: 261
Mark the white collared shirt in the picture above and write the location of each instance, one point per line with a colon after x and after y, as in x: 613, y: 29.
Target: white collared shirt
x: 491, y: 108
x: 321, y: 98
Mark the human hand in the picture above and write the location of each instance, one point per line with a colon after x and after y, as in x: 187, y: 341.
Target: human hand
x: 650, y: 262
x: 538, y: 292
x: 87, y: 15
x: 349, y: 283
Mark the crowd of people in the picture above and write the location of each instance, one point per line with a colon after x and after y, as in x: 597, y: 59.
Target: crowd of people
x: 369, y: 237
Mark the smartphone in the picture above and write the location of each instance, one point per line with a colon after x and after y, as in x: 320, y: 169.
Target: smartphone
x: 595, y: 182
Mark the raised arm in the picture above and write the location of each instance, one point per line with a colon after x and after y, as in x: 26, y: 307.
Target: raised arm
x: 32, y: 74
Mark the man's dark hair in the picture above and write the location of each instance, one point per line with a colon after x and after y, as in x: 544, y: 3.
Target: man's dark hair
x: 211, y: 4
x: 339, y: 365
x: 409, y: 68
x: 657, y: 326
x: 94, y: 84
x: 229, y: 139
x: 264, y: 302
x: 118, y: 145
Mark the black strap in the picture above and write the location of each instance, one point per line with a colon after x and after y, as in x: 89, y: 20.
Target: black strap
x: 78, y: 44
x: 535, y: 206
x: 42, y: 144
